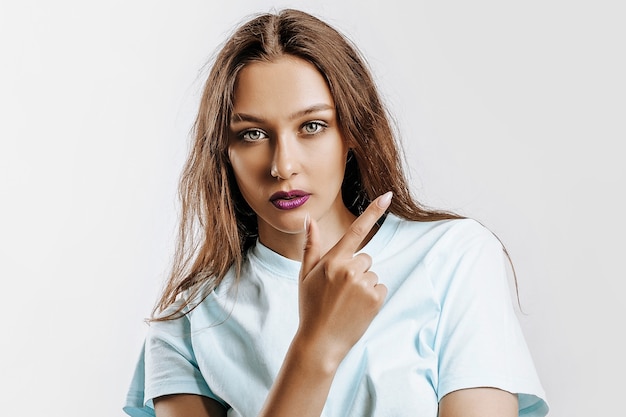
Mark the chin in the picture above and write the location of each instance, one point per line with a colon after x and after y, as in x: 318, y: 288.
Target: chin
x: 288, y: 223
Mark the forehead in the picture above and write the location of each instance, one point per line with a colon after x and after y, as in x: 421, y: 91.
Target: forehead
x: 288, y: 82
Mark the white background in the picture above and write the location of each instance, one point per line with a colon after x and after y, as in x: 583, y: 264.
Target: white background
x: 510, y: 113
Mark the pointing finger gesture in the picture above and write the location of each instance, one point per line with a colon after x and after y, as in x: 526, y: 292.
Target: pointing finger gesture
x: 339, y: 295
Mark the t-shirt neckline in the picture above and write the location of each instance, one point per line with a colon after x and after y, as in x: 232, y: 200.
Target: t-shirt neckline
x: 290, y: 268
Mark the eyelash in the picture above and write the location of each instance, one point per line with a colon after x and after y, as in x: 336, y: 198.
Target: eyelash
x: 243, y: 135
x: 320, y: 127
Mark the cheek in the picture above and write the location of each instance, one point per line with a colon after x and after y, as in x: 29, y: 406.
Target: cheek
x: 245, y: 181
x: 331, y: 154
x: 247, y: 169
x: 338, y: 161
x: 249, y: 159
x: 237, y: 161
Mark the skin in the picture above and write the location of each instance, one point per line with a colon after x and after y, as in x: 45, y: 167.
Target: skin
x: 284, y: 136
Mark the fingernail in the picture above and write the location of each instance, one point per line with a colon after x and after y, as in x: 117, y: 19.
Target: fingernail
x: 307, y: 220
x: 385, y: 200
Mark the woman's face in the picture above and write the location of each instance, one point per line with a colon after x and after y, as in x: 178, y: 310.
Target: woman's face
x: 286, y: 149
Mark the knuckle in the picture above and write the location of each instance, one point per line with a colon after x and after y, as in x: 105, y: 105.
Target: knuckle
x: 334, y: 269
x: 367, y: 260
x: 350, y: 275
x: 358, y: 229
x: 381, y: 292
x: 329, y: 269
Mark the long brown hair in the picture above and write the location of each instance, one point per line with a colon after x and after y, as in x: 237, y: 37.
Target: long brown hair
x: 217, y: 226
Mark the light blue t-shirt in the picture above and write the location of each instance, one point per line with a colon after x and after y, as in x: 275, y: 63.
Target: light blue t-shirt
x: 448, y: 323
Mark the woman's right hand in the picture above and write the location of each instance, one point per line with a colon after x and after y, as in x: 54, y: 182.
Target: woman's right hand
x: 338, y: 295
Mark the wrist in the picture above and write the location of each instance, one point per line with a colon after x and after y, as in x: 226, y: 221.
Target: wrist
x: 316, y: 356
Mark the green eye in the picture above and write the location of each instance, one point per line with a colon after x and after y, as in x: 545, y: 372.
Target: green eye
x: 252, y: 135
x: 312, y: 128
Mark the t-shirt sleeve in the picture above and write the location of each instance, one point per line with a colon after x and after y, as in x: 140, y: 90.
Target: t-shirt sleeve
x: 479, y: 340
x: 167, y: 365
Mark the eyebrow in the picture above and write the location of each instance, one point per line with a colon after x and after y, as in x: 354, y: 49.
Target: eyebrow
x: 244, y: 117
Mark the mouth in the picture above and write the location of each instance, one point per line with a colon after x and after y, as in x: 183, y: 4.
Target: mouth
x: 289, y: 200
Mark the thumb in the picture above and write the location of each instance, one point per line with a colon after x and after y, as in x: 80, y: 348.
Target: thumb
x: 311, y: 254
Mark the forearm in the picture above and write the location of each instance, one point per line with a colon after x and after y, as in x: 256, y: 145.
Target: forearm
x: 338, y: 298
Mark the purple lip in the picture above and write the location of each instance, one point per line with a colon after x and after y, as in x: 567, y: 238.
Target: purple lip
x: 289, y: 200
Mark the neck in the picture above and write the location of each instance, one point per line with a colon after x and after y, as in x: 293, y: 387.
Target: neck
x: 290, y: 245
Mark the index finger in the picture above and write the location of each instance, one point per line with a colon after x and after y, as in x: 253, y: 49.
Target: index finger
x: 360, y: 228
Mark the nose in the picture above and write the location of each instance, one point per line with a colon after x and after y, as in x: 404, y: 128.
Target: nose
x: 284, y: 163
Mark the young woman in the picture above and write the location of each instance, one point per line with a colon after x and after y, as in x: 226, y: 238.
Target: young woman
x: 308, y: 281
